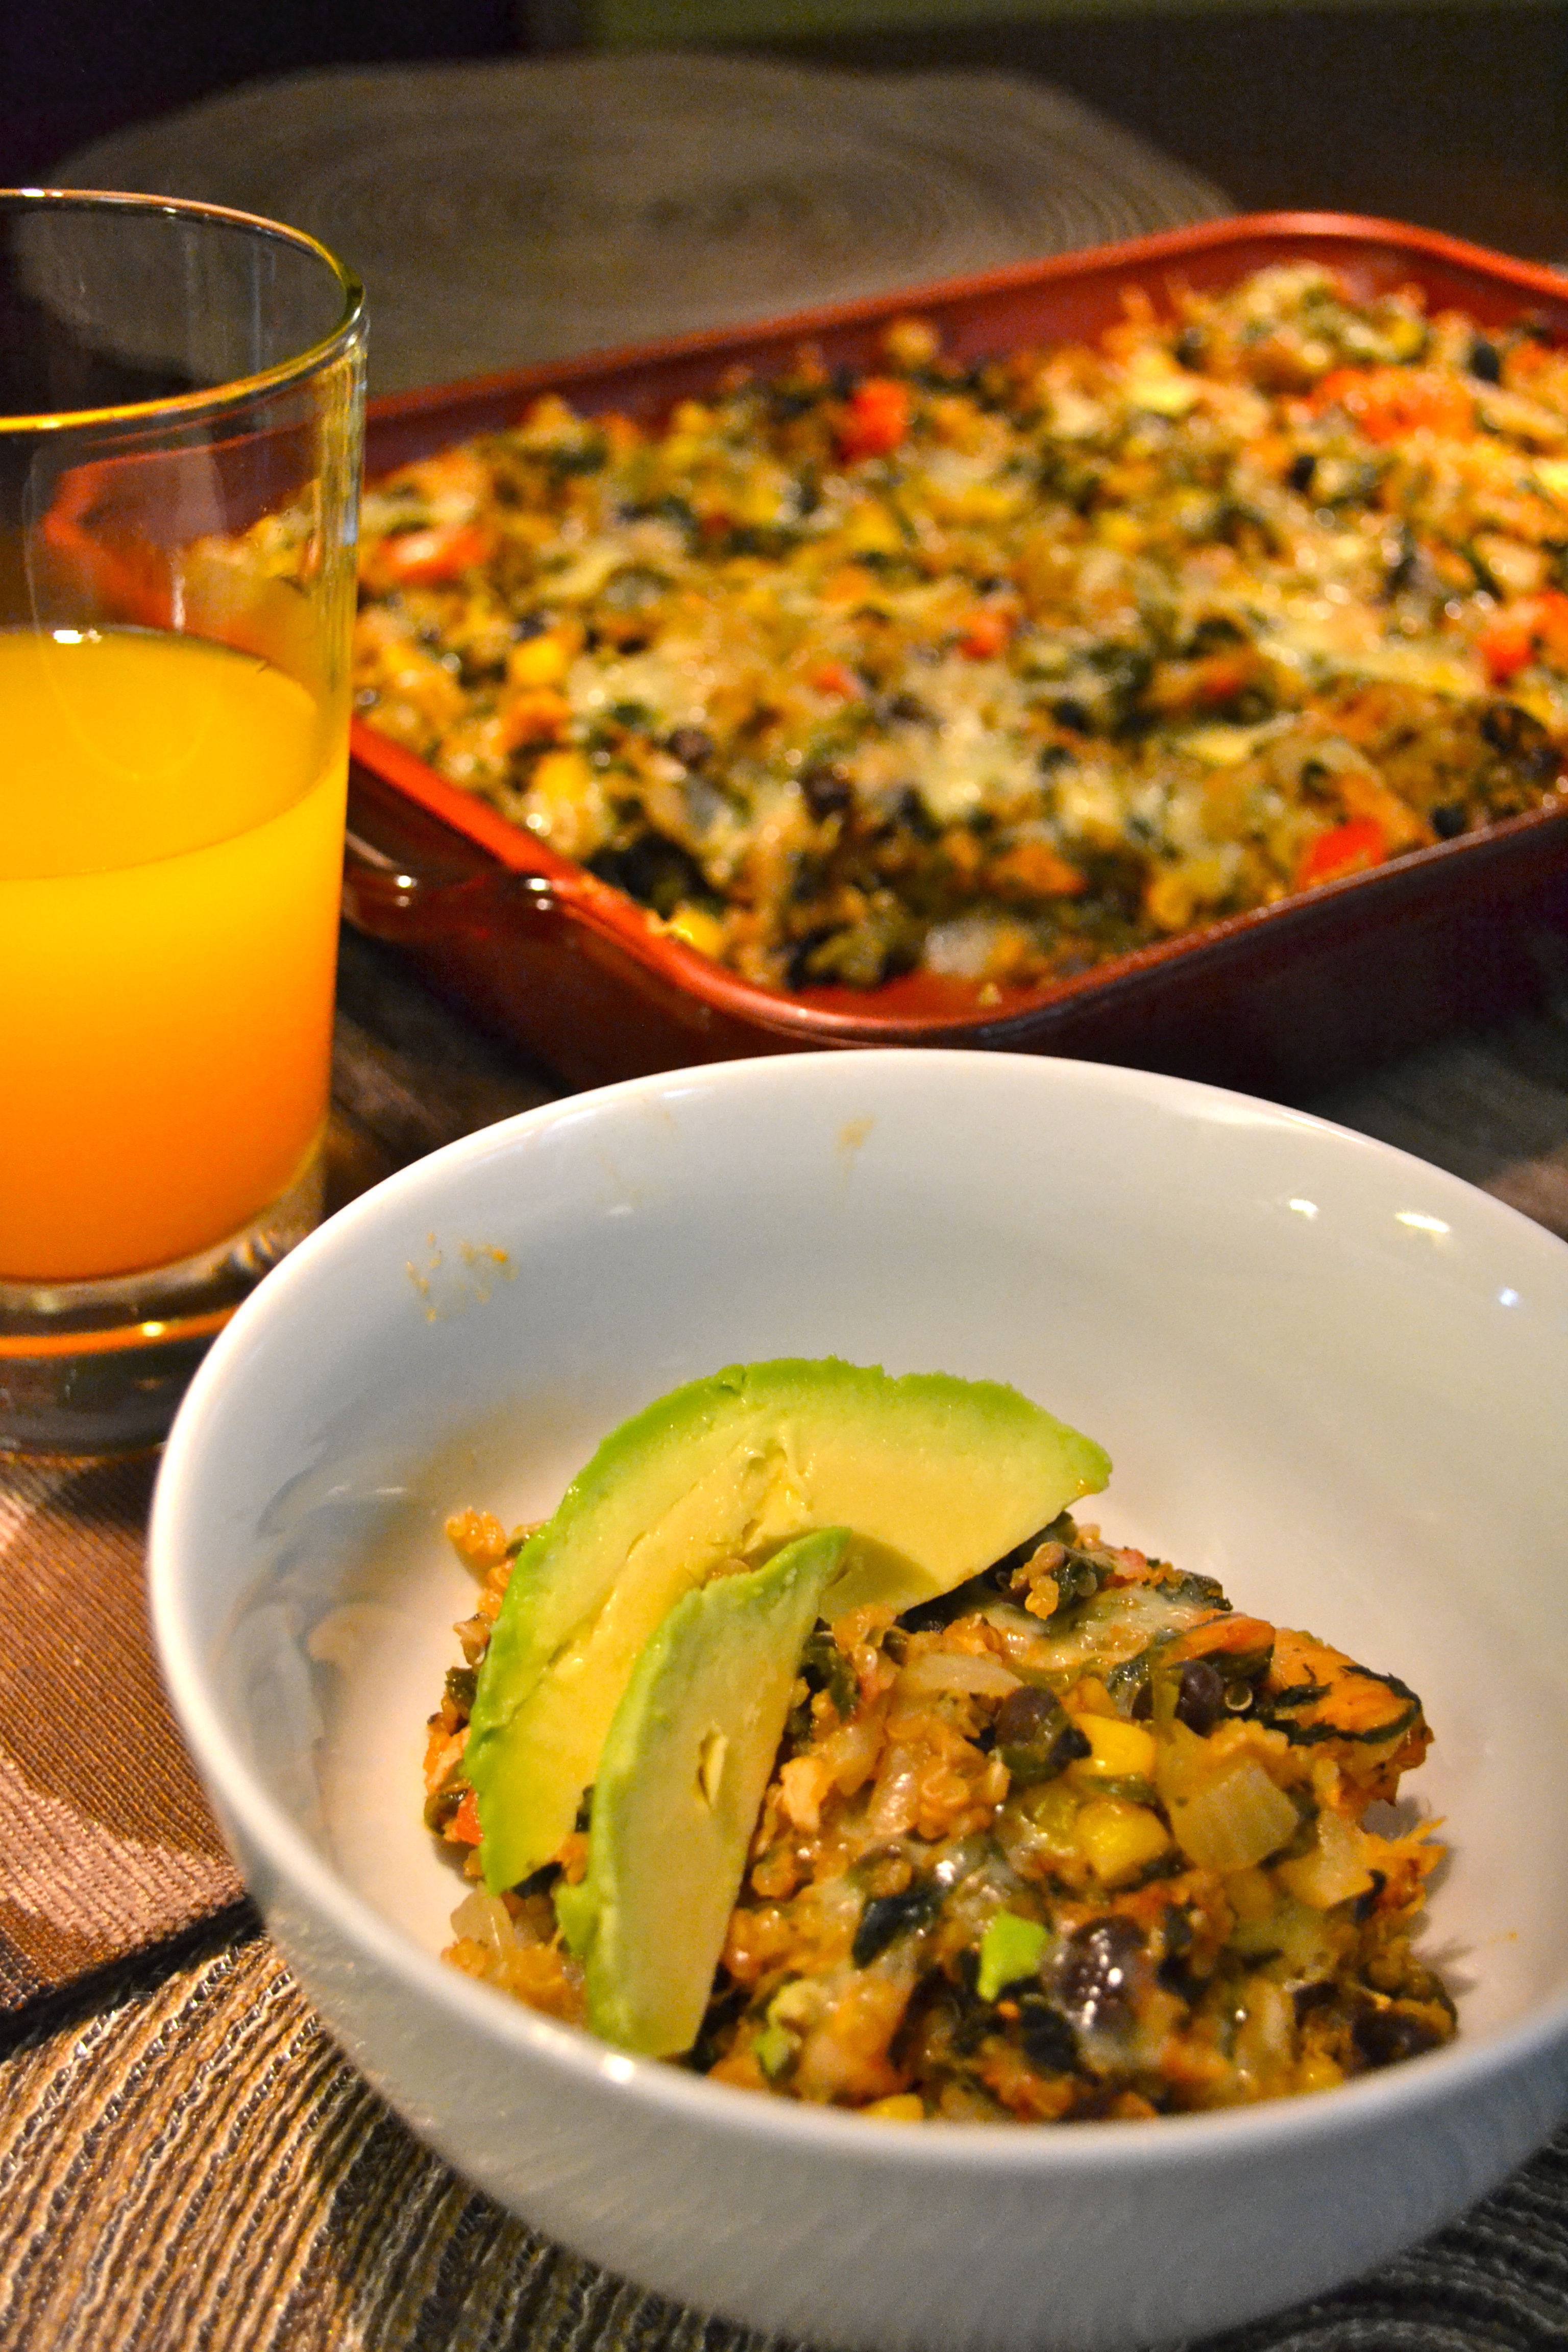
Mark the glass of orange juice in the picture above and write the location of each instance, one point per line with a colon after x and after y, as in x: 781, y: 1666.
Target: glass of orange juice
x: 181, y: 415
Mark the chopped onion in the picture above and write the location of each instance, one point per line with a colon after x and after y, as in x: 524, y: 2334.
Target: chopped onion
x: 485, y: 1920
x: 1236, y: 1821
x: 1336, y: 1870
x: 895, y: 1798
x: 849, y: 1756
x: 955, y: 1670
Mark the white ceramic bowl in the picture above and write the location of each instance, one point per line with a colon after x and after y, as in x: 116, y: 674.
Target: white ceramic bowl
x: 1329, y: 1374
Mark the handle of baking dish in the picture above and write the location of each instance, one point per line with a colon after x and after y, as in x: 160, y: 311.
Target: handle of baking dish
x: 392, y: 898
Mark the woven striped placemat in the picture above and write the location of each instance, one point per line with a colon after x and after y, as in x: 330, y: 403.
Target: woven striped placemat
x: 524, y: 208
x: 191, y: 2167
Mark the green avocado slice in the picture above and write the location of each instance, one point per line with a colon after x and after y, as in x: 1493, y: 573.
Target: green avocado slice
x: 937, y: 1477
x: 682, y: 1776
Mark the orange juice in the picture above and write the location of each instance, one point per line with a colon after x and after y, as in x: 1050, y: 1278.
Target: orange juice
x: 171, y: 836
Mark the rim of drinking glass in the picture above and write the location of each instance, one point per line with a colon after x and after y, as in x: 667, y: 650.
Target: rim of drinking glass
x: 214, y: 397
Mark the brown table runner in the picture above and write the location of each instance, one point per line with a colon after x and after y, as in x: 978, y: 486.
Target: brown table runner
x: 106, y: 1843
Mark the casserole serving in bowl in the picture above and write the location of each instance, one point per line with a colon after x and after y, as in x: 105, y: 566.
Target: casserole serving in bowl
x: 1107, y: 656
x: 1326, y: 1375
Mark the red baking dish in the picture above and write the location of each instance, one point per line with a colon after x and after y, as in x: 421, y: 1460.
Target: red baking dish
x: 1273, y: 1000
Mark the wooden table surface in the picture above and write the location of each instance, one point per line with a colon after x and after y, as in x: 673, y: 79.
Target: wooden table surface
x: 187, y: 2162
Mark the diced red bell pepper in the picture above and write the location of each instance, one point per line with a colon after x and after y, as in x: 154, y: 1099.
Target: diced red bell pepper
x: 985, y: 633
x: 1348, y: 848
x: 875, y: 418
x: 463, y: 1829
x: 424, y: 559
x: 1506, y: 645
x: 1509, y: 641
x: 1387, y: 402
x: 834, y: 678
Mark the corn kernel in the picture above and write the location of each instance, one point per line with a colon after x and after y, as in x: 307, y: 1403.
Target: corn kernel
x: 537, y: 661
x: 1116, y: 529
x: 1162, y: 388
x: 699, y: 929
x: 871, y: 530
x: 563, y: 776
x: 910, y: 343
x: 1120, y: 1751
x: 982, y: 502
x: 904, y: 2108
x: 1318, y: 2072
x: 1119, y: 1839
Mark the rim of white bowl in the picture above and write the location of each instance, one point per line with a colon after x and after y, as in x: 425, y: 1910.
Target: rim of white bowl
x: 1212, y: 2136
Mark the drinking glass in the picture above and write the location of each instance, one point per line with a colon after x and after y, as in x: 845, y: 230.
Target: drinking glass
x: 180, y: 418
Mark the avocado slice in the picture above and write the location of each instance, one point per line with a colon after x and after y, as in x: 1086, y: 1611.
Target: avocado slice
x: 682, y: 1776
x: 937, y: 1477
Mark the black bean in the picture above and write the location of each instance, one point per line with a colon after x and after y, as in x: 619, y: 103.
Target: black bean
x: 827, y: 789
x: 1047, y: 2039
x: 805, y: 955
x: 1450, y: 820
x: 1509, y: 729
x: 692, y: 746
x: 1485, y: 360
x: 1094, y: 1976
x: 1025, y: 1714
x: 654, y: 870
x: 1213, y: 634
x: 1402, y: 571
x: 1303, y: 465
x: 539, y: 1881
x: 1070, y: 712
x: 1046, y: 1742
x: 1202, y: 1698
x: 889, y: 1915
x: 721, y: 2013
x: 1385, y: 2036
x: 1176, y: 1931
x: 910, y: 813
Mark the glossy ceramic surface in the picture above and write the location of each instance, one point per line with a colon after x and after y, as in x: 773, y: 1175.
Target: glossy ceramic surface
x: 1327, y: 1373
x: 1275, y: 998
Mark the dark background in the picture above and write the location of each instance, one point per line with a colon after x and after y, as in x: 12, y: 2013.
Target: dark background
x: 1455, y: 117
